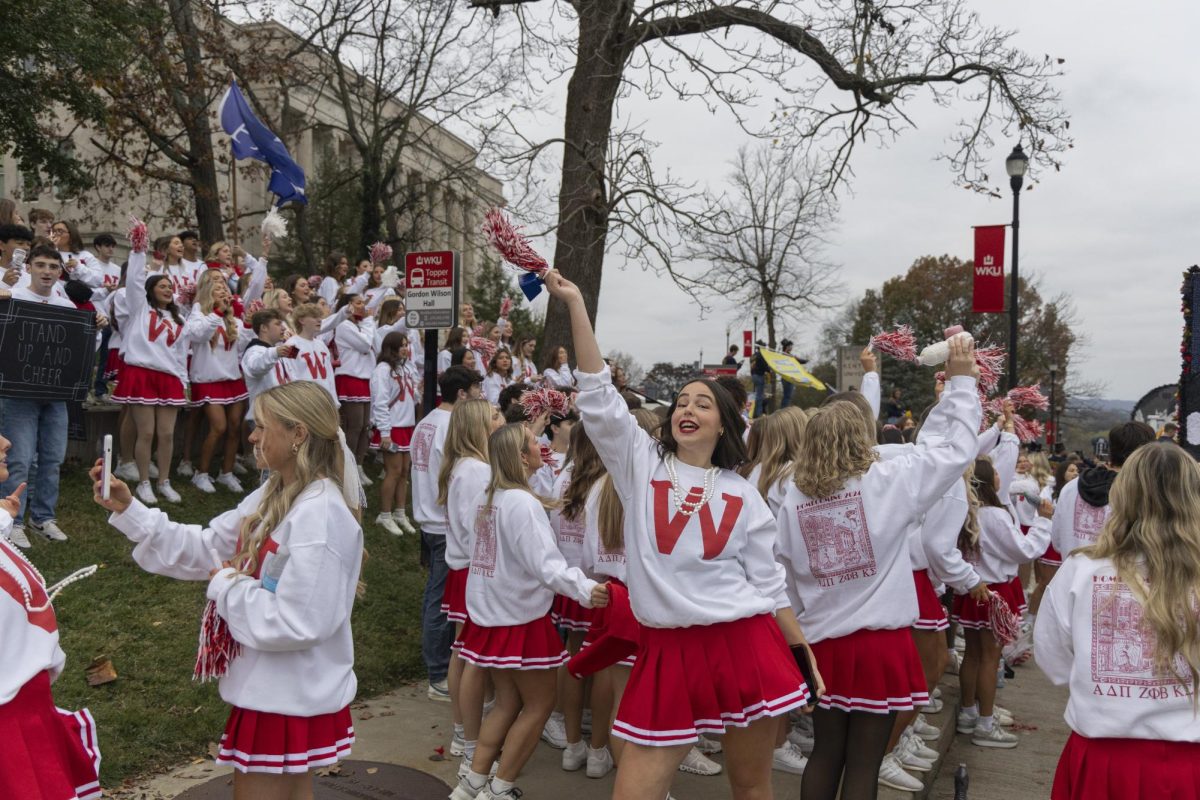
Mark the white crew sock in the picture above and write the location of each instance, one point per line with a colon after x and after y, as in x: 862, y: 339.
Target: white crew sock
x: 985, y: 723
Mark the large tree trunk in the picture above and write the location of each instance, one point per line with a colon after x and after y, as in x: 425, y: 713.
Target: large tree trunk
x: 370, y: 192
x: 583, y: 199
x: 204, y: 190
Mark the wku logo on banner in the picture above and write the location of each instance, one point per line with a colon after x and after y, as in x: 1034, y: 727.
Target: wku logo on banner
x: 668, y: 528
x: 316, y: 365
x: 160, y: 325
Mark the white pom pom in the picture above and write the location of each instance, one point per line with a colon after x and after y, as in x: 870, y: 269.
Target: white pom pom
x: 390, y: 278
x: 274, y: 226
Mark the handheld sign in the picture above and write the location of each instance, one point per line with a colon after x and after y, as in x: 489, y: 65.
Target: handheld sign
x: 46, y: 352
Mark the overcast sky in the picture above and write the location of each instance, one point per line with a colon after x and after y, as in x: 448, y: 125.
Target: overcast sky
x: 1114, y: 229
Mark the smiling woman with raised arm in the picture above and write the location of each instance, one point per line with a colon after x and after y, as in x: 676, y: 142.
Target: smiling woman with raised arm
x: 703, y: 582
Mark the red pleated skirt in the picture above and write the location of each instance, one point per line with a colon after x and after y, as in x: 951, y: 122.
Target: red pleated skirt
x: 871, y: 670
x: 351, y: 389
x: 148, y: 387
x: 221, y: 393
x: 454, y: 597
x: 1018, y: 595
x: 705, y: 678
x: 47, y: 753
x: 931, y: 615
x: 1125, y: 769
x: 255, y: 741
x: 570, y: 614
x: 112, y: 366
x: 534, y: 645
x: 1051, y: 557
x: 970, y: 613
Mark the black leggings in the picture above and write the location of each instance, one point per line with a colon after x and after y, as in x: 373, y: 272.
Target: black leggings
x: 853, y: 743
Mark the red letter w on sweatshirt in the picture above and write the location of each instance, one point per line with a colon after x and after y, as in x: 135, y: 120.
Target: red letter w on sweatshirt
x: 668, y: 529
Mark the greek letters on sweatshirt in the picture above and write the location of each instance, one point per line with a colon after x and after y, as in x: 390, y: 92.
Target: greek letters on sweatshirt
x: 599, y: 561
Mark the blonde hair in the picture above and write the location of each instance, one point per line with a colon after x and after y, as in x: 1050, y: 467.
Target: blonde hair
x: 508, y: 471
x: 306, y: 311
x: 1153, y: 541
x: 214, y: 250
x: 1039, y: 469
x: 467, y: 437
x: 833, y: 450
x: 773, y: 446
x: 968, y: 535
x: 209, y: 280
x: 610, y: 513
x: 319, y: 456
x: 272, y: 297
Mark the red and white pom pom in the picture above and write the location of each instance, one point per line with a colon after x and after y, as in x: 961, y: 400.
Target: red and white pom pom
x: 539, y: 401
x: 254, y: 307
x: 486, y: 349
x: 547, y: 456
x: 1028, y: 398
x: 939, y: 377
x: 506, y: 306
x: 990, y: 361
x: 380, y: 253
x: 1027, y: 430
x: 507, y: 240
x: 185, y: 295
x: 139, y: 239
x: 314, y: 282
x: 217, y: 646
x: 1006, y: 626
x: 479, y: 331
x: 899, y: 344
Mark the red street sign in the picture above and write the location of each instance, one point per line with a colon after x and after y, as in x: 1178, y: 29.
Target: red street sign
x: 747, y: 344
x: 431, y: 283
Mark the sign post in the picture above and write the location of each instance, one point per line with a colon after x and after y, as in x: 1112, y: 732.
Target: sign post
x: 431, y: 283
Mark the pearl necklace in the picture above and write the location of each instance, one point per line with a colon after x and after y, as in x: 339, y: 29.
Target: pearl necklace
x: 683, y: 504
x: 23, y: 581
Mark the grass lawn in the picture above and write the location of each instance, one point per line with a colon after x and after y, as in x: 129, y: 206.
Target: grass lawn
x: 153, y: 716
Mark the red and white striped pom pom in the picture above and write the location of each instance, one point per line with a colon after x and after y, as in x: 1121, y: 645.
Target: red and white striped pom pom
x: 139, y: 239
x: 217, y: 646
x: 314, y: 282
x: 1027, y: 430
x: 507, y: 240
x: 547, y: 455
x: 544, y: 400
x: 1028, y: 398
x: 254, y: 307
x: 1006, y: 626
x: 486, y: 349
x: 185, y: 295
x: 479, y: 331
x: 506, y: 306
x: 380, y: 253
x: 900, y: 343
x: 990, y: 361
x: 939, y: 377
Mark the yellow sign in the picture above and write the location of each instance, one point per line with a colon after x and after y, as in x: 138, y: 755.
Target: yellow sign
x: 791, y: 370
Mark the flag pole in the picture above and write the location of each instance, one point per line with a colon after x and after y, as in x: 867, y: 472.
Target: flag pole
x: 233, y: 191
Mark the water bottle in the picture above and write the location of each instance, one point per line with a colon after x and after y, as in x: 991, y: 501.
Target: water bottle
x: 274, y: 568
x: 961, y: 781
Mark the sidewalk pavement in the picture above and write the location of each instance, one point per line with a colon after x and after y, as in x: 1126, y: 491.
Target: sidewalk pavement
x: 405, y: 728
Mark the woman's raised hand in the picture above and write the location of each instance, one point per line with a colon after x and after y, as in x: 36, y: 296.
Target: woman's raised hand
x: 119, y: 496
x: 962, y: 358
x: 561, y: 288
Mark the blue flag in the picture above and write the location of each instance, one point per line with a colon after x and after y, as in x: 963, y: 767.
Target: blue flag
x: 252, y: 139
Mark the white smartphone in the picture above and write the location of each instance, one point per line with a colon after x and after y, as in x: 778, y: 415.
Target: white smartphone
x: 106, y: 476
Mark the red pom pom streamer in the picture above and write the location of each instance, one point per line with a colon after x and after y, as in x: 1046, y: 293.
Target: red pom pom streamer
x: 539, y: 401
x: 314, y: 282
x: 1027, y: 430
x: 506, y: 306
x: 139, y: 239
x: 254, y: 307
x: 217, y: 646
x: 1028, y: 398
x: 990, y: 361
x: 1006, y: 626
x: 898, y: 344
x: 185, y: 295
x: 507, y: 240
x: 548, y: 456
x: 486, y: 349
x: 380, y: 253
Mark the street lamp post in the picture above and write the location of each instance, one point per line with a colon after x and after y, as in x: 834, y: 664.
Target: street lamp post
x: 1053, y: 421
x: 1016, y: 165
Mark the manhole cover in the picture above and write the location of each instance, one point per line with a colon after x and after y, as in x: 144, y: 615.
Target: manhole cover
x: 360, y: 780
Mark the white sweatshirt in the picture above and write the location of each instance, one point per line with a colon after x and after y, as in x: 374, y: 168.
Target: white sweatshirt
x: 516, y: 568
x: 871, y: 390
x: 394, y: 397
x: 1076, y: 523
x: 218, y: 360
x: 1025, y: 510
x: 356, y: 348
x: 938, y: 542
x: 717, y: 565
x: 1002, y: 546
x: 776, y: 491
x: 428, y: 446
x: 297, y: 650
x: 468, y: 480
x: 568, y: 533
x: 151, y: 338
x: 313, y: 363
x: 524, y: 371
x: 846, y: 556
x: 27, y: 295
x: 117, y: 310
x: 559, y: 378
x: 1089, y: 636
x: 493, y: 385
x: 329, y: 290
x: 30, y: 638
x: 598, y: 561
x: 110, y: 277
x: 263, y: 369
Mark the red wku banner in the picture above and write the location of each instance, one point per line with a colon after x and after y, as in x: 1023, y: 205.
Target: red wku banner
x: 988, y: 297
x: 746, y: 344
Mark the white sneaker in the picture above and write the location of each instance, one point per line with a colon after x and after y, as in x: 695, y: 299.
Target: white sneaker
x: 892, y: 775
x: 930, y: 733
x: 599, y: 762
x: 385, y: 521
x: 909, y: 759
x: 934, y: 706
x: 465, y: 791
x: 802, y: 739
x: 146, y: 494
x: 954, y: 662
x: 465, y: 767
x: 709, y: 747
x: 401, y: 518
x: 153, y: 470
x: 439, y: 691
x: 17, y: 536
x: 203, y: 482
x: 697, y: 763
x: 788, y: 758
x: 966, y: 722
x: 127, y: 472
x: 239, y: 468
x: 458, y: 745
x: 227, y: 480
x: 918, y: 748
x: 574, y: 756
x: 555, y: 732
x: 362, y: 477
x: 50, y: 530
x: 1002, y: 715
x: 169, y: 494
x: 185, y: 469
x: 996, y: 737
x: 960, y: 644
x: 490, y: 793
